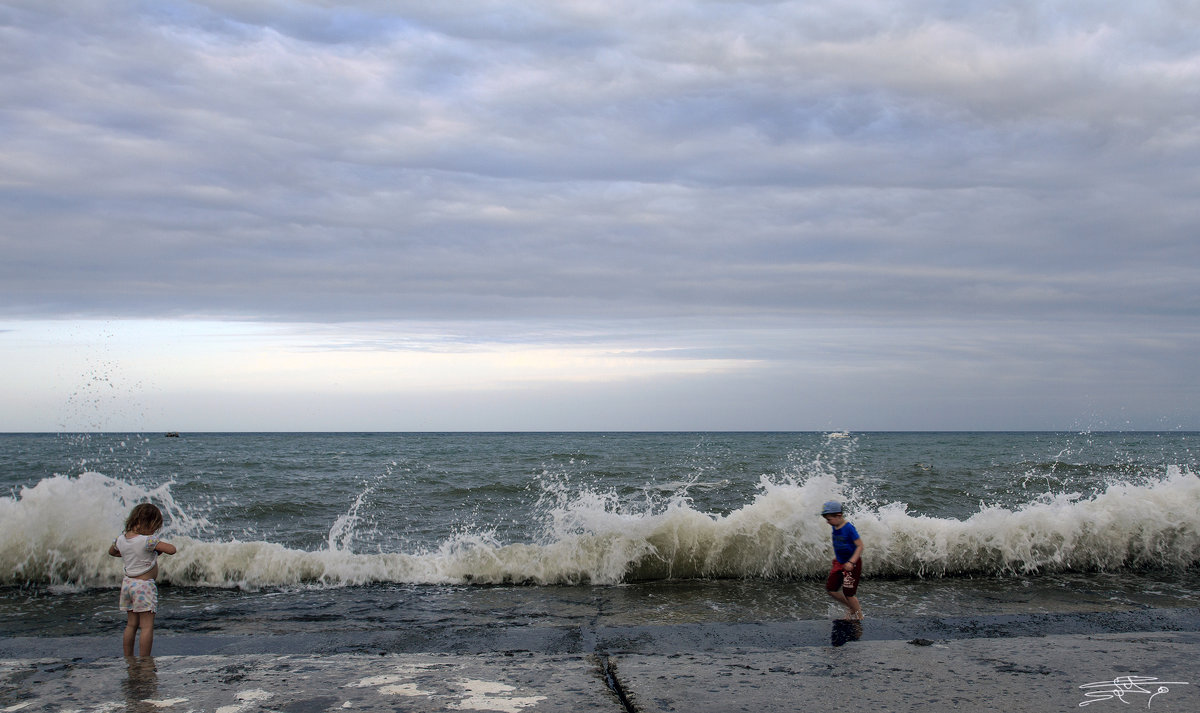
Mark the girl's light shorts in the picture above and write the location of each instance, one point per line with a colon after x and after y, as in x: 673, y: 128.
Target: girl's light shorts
x: 139, y: 595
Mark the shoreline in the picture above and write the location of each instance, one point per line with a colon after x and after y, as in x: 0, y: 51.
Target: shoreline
x: 592, y: 638
x: 1015, y: 663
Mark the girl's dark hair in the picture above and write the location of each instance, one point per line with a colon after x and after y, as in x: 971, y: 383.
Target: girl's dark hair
x: 145, y: 516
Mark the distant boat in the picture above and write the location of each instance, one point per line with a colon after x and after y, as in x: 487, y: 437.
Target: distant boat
x: 838, y: 434
x: 172, y: 434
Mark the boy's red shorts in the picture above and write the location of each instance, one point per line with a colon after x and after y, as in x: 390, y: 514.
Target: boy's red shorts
x: 843, y: 578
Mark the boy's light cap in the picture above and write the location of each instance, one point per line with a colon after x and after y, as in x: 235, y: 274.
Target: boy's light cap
x: 832, y: 507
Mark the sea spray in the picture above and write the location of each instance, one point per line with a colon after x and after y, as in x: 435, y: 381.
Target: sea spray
x: 56, y: 533
x: 1127, y: 525
x: 350, y: 525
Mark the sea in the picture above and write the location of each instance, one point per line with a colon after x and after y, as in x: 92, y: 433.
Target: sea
x: 350, y: 537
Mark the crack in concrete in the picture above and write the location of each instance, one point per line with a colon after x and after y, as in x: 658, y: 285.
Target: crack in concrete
x: 608, y: 670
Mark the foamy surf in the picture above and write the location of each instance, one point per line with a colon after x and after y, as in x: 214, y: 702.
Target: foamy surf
x: 56, y: 534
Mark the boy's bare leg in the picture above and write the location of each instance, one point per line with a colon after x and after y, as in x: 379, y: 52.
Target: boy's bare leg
x: 131, y: 625
x: 851, y: 603
x: 146, y: 623
x: 855, y: 607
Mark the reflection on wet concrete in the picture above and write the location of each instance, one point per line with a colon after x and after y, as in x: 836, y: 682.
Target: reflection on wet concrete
x: 347, y: 614
x: 702, y: 669
x: 453, y: 637
x: 845, y: 630
x: 140, y: 686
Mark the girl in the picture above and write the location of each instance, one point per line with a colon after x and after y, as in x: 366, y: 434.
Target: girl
x: 139, y: 548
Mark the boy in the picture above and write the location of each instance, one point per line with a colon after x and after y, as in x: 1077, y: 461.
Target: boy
x: 847, y: 563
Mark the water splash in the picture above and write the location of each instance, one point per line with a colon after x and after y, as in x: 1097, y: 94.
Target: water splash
x: 589, y: 534
x: 58, y: 531
x: 346, y: 527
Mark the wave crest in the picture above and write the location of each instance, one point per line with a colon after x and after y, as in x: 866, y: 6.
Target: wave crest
x: 57, y: 533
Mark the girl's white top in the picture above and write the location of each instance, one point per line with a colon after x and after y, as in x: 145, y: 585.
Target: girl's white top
x: 137, y: 553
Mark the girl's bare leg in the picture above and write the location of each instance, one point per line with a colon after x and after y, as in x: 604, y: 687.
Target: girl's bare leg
x: 146, y: 624
x: 131, y: 626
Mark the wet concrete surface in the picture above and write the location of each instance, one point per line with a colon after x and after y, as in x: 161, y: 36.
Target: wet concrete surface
x: 1019, y: 675
x: 449, y: 637
x: 1013, y: 663
x: 307, y: 684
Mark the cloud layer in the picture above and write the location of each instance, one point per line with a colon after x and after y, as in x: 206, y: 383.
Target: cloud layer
x: 720, y: 170
x: 292, y: 160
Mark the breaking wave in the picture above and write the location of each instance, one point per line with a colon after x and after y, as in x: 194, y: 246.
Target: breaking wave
x: 56, y: 534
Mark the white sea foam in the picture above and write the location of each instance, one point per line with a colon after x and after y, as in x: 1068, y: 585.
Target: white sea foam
x: 57, y: 532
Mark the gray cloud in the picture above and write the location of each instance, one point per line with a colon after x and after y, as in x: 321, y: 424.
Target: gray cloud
x: 356, y: 161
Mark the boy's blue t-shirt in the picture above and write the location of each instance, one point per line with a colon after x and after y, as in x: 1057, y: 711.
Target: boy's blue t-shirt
x: 843, y: 542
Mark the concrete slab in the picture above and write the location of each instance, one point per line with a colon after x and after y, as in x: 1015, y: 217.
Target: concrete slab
x: 1016, y: 675
x: 1150, y: 660
x: 308, y: 684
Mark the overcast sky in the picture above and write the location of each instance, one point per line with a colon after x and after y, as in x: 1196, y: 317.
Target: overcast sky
x: 573, y: 214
